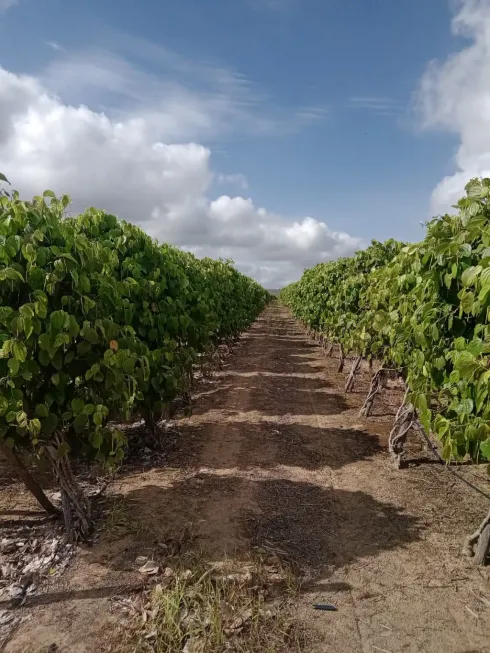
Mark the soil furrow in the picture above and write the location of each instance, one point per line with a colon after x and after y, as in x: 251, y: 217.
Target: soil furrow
x: 275, y: 454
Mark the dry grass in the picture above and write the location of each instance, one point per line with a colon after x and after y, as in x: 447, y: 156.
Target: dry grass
x: 118, y: 519
x: 197, y: 608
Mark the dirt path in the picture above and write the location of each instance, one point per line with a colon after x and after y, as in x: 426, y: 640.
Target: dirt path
x: 276, y: 454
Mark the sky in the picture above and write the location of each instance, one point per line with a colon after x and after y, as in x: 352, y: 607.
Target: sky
x: 278, y: 133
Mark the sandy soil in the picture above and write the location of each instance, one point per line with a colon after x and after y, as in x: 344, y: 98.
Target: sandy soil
x: 276, y: 454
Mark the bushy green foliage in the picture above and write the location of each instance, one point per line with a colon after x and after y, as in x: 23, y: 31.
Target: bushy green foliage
x: 423, y: 309
x: 98, y: 322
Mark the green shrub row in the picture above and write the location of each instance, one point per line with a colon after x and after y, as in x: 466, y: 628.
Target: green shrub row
x: 422, y: 309
x: 99, y: 324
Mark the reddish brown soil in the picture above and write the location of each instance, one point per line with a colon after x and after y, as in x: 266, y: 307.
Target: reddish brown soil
x: 276, y: 454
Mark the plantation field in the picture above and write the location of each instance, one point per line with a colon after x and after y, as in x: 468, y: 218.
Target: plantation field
x: 276, y: 479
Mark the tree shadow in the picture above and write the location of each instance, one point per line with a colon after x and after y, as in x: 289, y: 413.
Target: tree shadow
x: 311, y: 382
x: 276, y: 364
x: 277, y: 394
x: 62, y: 596
x: 318, y: 529
x: 7, y: 474
x: 20, y: 524
x: 315, y: 527
x: 318, y: 526
x: 283, y: 444
x: 9, y: 477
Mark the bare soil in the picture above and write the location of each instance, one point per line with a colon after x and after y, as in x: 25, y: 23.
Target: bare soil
x: 276, y: 455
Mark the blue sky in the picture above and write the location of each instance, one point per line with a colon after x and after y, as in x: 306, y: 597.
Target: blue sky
x: 307, y: 107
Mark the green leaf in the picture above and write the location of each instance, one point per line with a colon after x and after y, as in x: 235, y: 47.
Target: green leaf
x: 95, y: 369
x: 465, y: 407
x: 97, y: 439
x: 470, y: 275
x: 57, y: 320
x: 44, y: 358
x: 4, y: 405
x: 80, y: 422
x: 61, y: 340
x: 77, y: 405
x: 14, y: 366
x: 42, y: 410
x: 21, y: 417
x: 97, y: 418
x: 40, y: 309
x: 35, y: 427
x: 26, y: 310
x: 467, y: 301
x: 74, y: 327
x: 49, y: 424
x: 11, y: 275
x: 90, y: 335
x: 29, y: 252
x: 19, y: 350
x: 485, y: 448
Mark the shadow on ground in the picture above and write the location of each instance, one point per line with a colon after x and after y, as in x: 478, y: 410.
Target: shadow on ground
x: 307, y: 522
x: 304, y: 522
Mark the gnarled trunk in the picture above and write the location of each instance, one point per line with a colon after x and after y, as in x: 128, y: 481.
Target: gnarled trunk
x: 29, y: 481
x: 404, y: 421
x: 340, y: 367
x: 352, y: 375
x: 374, y: 389
x: 478, y: 543
x: 75, y: 506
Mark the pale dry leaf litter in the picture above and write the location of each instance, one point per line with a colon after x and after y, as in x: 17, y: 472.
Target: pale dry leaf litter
x: 31, y: 553
x: 28, y: 556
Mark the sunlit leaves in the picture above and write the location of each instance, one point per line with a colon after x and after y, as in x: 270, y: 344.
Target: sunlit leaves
x: 97, y: 322
x: 425, y: 310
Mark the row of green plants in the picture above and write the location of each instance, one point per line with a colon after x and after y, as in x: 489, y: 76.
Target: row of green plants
x: 99, y: 325
x: 420, y: 309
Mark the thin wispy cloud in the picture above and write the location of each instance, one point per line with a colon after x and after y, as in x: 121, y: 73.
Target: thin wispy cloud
x: 311, y: 114
x: 182, y: 96
x: 382, y: 106
x: 6, y: 4
x: 275, y: 6
x: 53, y: 45
x: 237, y: 180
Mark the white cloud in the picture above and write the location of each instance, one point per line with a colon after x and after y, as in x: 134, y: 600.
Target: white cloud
x: 6, y: 4
x: 180, y: 98
x: 53, y: 45
x: 455, y: 96
x: 380, y: 106
x: 123, y: 166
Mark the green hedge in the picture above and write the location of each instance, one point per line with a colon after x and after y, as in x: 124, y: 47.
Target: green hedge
x: 98, y: 322
x: 423, y: 309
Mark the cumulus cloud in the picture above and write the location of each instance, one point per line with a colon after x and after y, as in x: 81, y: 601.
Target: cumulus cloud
x: 454, y: 95
x: 123, y: 166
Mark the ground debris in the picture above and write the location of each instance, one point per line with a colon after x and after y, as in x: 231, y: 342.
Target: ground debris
x: 198, y: 607
x: 29, y: 554
x: 149, y: 568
